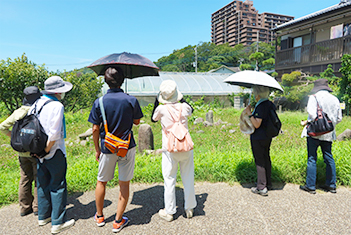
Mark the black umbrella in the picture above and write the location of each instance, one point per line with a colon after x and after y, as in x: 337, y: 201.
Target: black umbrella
x: 133, y: 65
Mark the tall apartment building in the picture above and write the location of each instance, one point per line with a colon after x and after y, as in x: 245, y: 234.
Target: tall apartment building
x: 239, y: 22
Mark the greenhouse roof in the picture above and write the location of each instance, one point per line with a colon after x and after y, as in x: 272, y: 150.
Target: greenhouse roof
x: 188, y: 84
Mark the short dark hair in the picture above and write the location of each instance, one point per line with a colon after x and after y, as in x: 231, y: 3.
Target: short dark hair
x: 114, y: 77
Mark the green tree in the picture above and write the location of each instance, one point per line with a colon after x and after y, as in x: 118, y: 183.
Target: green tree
x: 289, y: 79
x: 345, y: 88
x: 17, y: 74
x: 270, y: 61
x: 86, y: 88
x: 295, y: 91
x: 328, y: 73
x: 258, y: 57
x: 171, y: 68
x: 274, y: 74
x: 246, y: 67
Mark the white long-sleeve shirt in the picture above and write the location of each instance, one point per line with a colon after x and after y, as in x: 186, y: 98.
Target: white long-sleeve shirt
x: 51, y: 118
x: 330, y: 105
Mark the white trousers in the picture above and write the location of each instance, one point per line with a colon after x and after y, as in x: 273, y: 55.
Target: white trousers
x: 169, y: 170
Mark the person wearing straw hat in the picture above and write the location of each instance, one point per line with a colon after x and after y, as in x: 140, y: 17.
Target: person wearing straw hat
x: 169, y: 97
x: 28, y: 201
x: 331, y: 106
x: 52, y: 164
x: 121, y: 112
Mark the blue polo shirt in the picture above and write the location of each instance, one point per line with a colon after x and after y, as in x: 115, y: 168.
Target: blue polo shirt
x: 262, y: 111
x: 121, y: 109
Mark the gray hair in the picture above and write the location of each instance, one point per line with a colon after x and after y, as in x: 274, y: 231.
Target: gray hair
x: 262, y: 91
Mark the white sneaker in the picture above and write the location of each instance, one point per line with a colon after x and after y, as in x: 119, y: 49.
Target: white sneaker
x: 163, y: 214
x: 61, y: 227
x: 189, y: 213
x: 44, y: 221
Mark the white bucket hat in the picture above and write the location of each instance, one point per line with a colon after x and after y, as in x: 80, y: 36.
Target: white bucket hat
x: 169, y: 92
x: 55, y: 84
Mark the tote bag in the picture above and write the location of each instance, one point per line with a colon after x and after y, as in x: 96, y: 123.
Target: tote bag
x: 321, y: 125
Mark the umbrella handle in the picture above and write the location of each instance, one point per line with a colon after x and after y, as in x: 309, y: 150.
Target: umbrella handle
x: 250, y: 96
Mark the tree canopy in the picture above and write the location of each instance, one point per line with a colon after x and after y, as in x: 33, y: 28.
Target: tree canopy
x: 17, y: 74
x: 211, y: 56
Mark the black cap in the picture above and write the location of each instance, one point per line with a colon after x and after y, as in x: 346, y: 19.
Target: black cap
x: 32, y: 93
x: 321, y: 84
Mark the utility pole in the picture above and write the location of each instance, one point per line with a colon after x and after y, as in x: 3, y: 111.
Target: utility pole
x: 195, y: 64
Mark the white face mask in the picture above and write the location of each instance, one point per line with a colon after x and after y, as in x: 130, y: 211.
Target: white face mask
x: 62, y: 95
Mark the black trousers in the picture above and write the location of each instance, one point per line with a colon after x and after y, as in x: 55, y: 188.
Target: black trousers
x: 260, y: 151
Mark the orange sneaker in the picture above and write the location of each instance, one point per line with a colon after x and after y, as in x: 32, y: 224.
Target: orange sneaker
x: 99, y: 221
x: 119, y: 226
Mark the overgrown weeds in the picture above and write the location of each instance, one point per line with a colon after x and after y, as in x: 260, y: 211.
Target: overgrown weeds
x: 221, y: 154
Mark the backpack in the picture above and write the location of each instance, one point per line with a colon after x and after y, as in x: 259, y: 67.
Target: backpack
x: 27, y: 134
x: 273, y: 124
x: 113, y: 143
x: 179, y: 139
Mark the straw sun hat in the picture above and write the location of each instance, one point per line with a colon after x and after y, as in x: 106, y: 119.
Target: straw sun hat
x: 169, y: 92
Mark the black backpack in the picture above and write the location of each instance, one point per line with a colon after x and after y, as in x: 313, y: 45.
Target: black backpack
x: 273, y: 124
x: 28, y: 135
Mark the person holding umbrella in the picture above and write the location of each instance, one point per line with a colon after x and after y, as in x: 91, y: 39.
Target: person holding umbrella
x: 260, y: 141
x: 121, y: 111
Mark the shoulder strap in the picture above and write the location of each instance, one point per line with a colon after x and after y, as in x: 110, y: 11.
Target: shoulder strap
x: 101, y: 104
x: 46, y: 102
x: 34, y: 110
x: 317, y: 102
x: 173, y: 115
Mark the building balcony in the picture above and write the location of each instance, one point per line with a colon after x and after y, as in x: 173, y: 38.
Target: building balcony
x: 325, y: 52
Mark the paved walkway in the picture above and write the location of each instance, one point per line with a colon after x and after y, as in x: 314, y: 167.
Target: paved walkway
x: 222, y: 209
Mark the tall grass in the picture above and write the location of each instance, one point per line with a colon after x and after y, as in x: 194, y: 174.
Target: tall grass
x: 219, y: 155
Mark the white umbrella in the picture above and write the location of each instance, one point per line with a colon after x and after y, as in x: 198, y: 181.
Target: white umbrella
x: 249, y: 78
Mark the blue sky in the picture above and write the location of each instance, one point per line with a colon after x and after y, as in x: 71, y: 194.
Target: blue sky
x: 68, y: 34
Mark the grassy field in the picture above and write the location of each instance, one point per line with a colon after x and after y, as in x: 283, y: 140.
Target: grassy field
x: 219, y: 155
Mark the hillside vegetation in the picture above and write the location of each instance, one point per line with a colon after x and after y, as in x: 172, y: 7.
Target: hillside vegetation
x: 219, y: 155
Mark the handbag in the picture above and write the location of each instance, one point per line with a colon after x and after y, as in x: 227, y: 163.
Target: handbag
x: 113, y: 143
x: 321, y: 125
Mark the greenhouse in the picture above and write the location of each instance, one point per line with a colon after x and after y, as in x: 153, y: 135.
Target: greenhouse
x: 196, y: 85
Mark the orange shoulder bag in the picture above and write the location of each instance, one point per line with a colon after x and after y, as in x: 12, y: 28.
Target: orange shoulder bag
x: 113, y: 143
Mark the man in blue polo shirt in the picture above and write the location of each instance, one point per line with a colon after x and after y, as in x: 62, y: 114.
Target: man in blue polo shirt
x: 122, y: 111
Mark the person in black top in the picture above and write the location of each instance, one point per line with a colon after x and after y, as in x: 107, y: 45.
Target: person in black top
x: 260, y: 141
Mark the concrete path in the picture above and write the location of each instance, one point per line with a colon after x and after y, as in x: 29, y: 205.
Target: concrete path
x: 222, y: 209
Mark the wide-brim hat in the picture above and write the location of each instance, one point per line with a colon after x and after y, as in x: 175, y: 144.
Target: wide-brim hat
x: 169, y: 92
x: 55, y: 84
x: 32, y: 93
x: 321, y: 84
